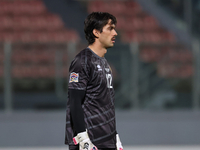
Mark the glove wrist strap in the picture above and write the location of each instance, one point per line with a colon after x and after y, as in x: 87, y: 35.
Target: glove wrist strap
x: 82, y: 135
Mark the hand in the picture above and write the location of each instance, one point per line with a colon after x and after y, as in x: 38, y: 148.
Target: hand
x: 84, y: 141
x: 118, y: 143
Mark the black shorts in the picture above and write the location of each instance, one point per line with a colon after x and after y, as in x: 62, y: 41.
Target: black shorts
x: 76, y: 147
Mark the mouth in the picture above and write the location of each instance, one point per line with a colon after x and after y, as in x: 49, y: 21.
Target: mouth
x: 113, y: 40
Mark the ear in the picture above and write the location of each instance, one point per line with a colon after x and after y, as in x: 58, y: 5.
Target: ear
x: 96, y: 33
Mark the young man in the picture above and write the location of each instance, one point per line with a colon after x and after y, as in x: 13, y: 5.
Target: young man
x: 90, y: 119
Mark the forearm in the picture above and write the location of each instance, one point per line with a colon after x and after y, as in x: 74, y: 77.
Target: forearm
x: 76, y: 97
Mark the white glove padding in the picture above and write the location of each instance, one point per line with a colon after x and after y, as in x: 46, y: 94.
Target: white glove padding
x: 118, y: 144
x: 84, y: 141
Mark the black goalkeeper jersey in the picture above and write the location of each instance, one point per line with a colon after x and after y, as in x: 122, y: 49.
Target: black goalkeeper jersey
x: 92, y: 73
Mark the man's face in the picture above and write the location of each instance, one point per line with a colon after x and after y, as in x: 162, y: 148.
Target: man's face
x: 107, y: 36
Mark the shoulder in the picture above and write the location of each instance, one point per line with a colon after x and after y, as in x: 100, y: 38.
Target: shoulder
x: 82, y: 59
x: 84, y: 56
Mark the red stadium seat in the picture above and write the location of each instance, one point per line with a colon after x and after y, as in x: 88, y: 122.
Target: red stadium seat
x: 33, y: 71
x: 178, y: 70
x: 97, y: 6
x: 169, y: 37
x: 132, y: 8
x: 6, y: 23
x: 31, y: 22
x: 134, y: 23
x: 150, y: 54
x: 117, y: 7
x: 150, y: 23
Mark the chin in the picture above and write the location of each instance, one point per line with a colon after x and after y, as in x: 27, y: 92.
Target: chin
x: 109, y: 46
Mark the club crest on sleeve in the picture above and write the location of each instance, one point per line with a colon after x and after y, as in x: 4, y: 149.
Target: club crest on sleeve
x: 73, y: 77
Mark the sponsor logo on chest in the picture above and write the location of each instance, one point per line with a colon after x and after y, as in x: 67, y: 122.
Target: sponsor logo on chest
x: 99, y: 68
x: 107, y: 69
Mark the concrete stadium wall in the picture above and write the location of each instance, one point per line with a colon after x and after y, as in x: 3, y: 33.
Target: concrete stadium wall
x: 47, y: 129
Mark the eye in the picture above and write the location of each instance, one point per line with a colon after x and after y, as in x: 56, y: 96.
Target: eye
x: 111, y: 28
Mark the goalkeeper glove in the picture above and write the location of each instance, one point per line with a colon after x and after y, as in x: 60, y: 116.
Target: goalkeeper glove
x: 84, y: 142
x: 118, y: 143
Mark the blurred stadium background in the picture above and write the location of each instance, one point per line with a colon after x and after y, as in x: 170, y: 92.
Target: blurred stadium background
x: 156, y: 66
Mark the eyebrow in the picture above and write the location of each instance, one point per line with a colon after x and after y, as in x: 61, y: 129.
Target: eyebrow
x: 112, y: 26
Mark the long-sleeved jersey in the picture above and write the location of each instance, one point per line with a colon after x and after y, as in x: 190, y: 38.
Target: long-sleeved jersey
x: 92, y: 73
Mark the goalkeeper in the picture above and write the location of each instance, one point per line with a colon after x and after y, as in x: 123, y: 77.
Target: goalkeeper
x: 90, y: 116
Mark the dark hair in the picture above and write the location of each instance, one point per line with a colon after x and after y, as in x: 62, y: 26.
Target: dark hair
x: 96, y: 20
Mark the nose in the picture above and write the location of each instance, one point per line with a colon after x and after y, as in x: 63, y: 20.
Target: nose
x: 115, y: 32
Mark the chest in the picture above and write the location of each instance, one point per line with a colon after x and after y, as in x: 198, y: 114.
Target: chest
x: 102, y: 74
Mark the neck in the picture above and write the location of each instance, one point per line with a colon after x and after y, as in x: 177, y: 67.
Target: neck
x: 98, y: 50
